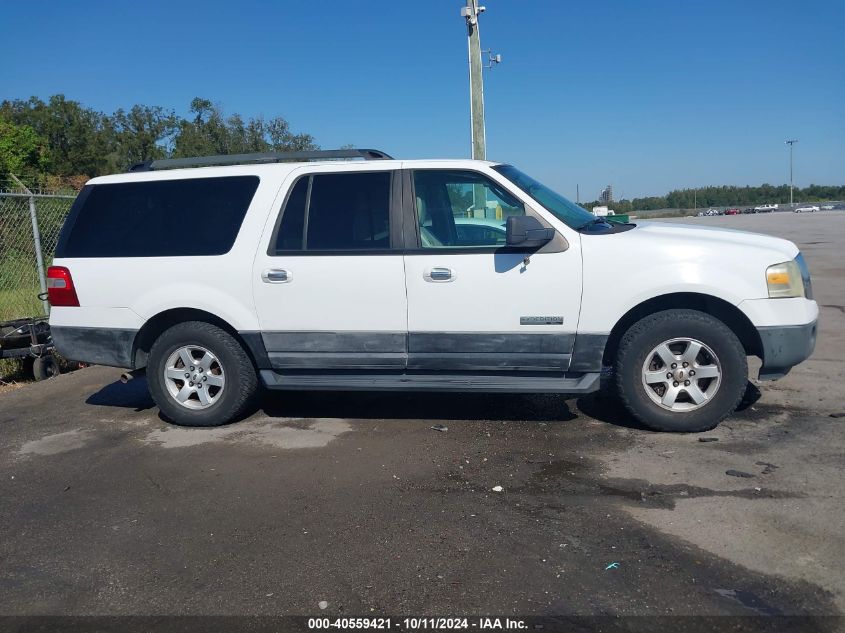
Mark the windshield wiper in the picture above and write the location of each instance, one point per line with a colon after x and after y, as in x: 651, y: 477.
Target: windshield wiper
x: 593, y: 222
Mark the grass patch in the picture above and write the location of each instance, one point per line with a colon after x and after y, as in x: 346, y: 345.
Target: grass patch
x: 20, y: 303
x: 11, y: 371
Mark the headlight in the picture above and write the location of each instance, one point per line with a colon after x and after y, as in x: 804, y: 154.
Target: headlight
x: 784, y: 280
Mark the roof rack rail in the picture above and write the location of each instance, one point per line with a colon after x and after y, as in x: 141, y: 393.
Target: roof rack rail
x: 262, y: 157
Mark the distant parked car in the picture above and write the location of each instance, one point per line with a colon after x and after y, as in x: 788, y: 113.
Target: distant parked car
x: 765, y: 208
x: 828, y: 207
x: 749, y: 210
x: 808, y: 208
x: 732, y: 212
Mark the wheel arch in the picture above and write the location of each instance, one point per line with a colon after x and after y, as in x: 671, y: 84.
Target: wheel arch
x: 726, y: 312
x: 162, y: 321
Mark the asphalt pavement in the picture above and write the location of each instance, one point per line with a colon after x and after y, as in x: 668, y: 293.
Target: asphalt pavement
x: 351, y: 504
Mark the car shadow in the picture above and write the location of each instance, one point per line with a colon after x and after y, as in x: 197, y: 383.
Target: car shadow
x: 416, y: 406
x: 373, y: 405
x: 751, y: 396
x: 605, y: 407
x: 370, y: 404
x: 132, y: 395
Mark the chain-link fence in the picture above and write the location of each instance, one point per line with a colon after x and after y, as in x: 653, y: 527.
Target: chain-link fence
x: 29, y: 229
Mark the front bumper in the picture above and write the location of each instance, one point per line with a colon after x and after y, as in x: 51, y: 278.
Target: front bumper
x: 784, y: 346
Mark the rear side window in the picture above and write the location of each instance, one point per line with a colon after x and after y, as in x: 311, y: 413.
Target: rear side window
x: 200, y: 216
x: 336, y: 212
x: 292, y: 228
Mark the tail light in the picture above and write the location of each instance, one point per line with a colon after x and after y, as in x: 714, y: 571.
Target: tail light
x: 60, y: 290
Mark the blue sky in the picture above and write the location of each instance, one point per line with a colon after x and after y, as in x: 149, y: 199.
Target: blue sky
x: 646, y: 95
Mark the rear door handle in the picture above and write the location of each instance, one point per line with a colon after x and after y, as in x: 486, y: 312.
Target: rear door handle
x: 439, y: 274
x: 275, y: 276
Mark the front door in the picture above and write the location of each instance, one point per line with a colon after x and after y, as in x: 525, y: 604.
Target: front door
x: 330, y: 287
x: 475, y: 305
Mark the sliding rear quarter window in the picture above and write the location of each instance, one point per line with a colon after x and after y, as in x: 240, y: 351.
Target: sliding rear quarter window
x: 157, y: 218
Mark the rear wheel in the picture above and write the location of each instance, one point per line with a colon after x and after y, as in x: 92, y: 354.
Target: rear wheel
x: 681, y: 370
x: 200, y: 375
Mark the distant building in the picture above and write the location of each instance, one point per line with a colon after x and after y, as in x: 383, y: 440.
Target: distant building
x: 606, y: 194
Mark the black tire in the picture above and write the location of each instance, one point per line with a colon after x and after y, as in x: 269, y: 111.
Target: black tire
x: 649, y: 332
x: 45, y: 367
x: 241, y: 381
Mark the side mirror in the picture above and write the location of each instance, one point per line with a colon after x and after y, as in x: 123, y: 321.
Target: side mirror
x: 527, y: 232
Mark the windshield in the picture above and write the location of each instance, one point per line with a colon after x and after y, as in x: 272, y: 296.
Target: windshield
x: 565, y: 210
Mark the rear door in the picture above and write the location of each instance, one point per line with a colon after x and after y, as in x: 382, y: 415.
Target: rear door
x: 329, y: 285
x: 475, y: 305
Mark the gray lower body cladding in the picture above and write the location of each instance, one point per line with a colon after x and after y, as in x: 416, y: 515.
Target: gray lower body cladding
x: 454, y: 354
x: 335, y: 350
x: 588, y: 352
x: 784, y: 347
x: 429, y: 361
x: 424, y: 351
x: 423, y: 361
x: 98, y: 346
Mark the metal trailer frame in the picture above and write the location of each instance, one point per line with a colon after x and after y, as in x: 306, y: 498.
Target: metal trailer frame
x: 40, y: 344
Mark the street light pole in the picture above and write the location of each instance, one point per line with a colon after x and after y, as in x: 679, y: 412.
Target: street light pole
x: 790, y: 143
x: 476, y: 81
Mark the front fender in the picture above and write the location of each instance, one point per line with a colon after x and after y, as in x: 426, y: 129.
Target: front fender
x: 606, y: 302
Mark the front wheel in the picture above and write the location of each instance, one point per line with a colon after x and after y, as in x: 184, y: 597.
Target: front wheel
x: 681, y: 370
x: 200, y: 375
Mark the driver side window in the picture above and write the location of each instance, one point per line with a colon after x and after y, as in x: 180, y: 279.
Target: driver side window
x: 460, y: 209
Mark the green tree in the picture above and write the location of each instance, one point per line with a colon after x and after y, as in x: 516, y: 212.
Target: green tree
x: 209, y: 132
x: 22, y: 151
x: 142, y: 133
x: 283, y: 140
x: 204, y: 134
x: 79, y: 139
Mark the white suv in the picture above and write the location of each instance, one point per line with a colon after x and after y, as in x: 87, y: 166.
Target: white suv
x: 332, y: 274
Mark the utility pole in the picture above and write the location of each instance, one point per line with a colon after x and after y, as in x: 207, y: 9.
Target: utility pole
x: 476, y: 80
x: 790, y: 143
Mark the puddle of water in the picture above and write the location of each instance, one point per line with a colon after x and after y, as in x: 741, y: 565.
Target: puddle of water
x: 58, y: 443
x: 264, y: 431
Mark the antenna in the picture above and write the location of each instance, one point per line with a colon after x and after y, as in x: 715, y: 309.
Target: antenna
x: 492, y: 60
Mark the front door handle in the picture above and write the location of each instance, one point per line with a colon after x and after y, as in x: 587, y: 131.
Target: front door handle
x: 439, y: 274
x: 275, y: 276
